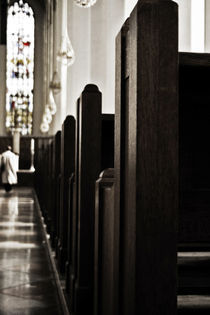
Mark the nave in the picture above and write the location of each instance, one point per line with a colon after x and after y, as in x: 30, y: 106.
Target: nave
x: 120, y: 191
x: 27, y: 281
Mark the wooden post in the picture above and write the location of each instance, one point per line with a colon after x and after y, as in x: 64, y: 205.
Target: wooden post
x: 104, y: 250
x: 71, y: 233
x: 3, y: 22
x: 88, y: 169
x: 57, y: 174
x: 146, y: 160
x: 67, y: 168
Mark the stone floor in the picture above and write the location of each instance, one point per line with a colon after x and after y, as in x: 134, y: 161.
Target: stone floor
x: 27, y: 284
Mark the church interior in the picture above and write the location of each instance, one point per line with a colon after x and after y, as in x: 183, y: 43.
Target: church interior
x: 105, y: 108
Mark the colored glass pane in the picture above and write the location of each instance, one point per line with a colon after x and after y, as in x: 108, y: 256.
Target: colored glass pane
x: 20, y: 68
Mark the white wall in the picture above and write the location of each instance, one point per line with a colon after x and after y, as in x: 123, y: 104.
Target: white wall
x: 194, y: 25
x: 75, y: 77
x: 184, y: 25
x: 79, y: 24
x: 92, y: 32
x: 129, y: 6
x: 207, y: 23
x: 107, y: 18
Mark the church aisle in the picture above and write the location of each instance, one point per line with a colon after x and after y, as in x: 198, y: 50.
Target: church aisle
x: 27, y: 284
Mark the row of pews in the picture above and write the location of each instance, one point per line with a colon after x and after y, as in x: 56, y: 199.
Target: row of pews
x: 111, y: 187
x: 108, y: 186
x: 194, y: 185
x: 68, y: 166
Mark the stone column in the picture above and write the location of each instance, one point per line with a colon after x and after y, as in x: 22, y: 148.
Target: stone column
x: 16, y: 142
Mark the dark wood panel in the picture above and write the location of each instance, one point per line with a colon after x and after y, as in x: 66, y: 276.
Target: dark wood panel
x: 104, y: 250
x: 194, y: 152
x: 67, y: 169
x: 107, y: 141
x: 146, y: 159
x: 194, y: 59
x: 88, y: 167
x: 3, y: 22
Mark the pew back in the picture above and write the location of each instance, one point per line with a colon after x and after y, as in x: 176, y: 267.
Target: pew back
x: 146, y: 160
x: 194, y: 130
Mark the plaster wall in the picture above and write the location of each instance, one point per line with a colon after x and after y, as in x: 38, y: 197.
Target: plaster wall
x: 107, y: 18
x: 79, y: 27
x: 207, y: 23
x: 129, y: 6
x: 184, y: 24
x: 75, y: 77
x: 92, y: 32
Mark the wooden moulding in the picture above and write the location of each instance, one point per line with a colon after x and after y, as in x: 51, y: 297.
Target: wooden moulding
x: 57, y: 168
x: 67, y: 168
x: 88, y: 167
x: 104, y: 244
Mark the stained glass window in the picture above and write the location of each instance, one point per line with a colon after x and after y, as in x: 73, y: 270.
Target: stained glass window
x: 20, y: 68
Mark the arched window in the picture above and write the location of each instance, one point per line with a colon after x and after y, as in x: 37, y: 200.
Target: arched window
x: 20, y: 68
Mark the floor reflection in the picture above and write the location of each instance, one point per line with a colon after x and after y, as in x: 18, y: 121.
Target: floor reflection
x: 26, y: 283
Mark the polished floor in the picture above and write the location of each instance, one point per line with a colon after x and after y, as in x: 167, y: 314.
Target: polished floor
x: 27, y: 284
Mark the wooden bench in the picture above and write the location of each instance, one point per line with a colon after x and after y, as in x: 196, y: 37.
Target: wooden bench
x: 139, y: 276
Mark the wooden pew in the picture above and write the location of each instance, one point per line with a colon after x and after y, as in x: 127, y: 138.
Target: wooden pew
x: 57, y: 184
x: 39, y: 147
x: 194, y: 113
x: 94, y: 150
x: 194, y: 175
x: 42, y: 165
x: 47, y: 181
x: 104, y: 249
x: 141, y: 244
x: 54, y: 163
x: 107, y: 160
x: 70, y: 188
x: 49, y: 186
x: 71, y: 236
x: 88, y: 162
x: 67, y: 169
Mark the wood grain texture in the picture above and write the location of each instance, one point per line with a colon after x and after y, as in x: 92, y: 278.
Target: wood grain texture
x: 88, y: 167
x: 67, y: 169
x: 104, y: 244
x: 194, y: 151
x: 147, y: 108
x: 194, y: 59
